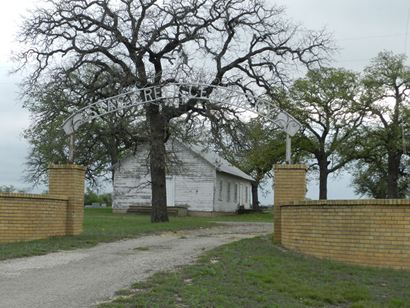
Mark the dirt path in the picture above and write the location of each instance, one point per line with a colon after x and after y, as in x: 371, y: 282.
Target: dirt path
x: 83, y: 277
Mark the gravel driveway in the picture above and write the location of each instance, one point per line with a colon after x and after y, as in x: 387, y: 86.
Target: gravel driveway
x: 84, y: 277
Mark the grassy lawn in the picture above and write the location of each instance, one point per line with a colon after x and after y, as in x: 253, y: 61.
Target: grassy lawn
x: 100, y: 225
x: 256, y: 273
x: 265, y: 216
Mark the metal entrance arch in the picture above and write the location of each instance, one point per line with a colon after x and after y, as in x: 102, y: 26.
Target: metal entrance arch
x: 175, y: 94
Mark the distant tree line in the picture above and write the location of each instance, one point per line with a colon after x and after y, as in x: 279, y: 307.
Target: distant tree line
x: 91, y: 197
x: 11, y: 189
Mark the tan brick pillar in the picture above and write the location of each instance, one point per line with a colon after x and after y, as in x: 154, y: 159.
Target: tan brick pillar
x: 290, y: 185
x: 68, y: 180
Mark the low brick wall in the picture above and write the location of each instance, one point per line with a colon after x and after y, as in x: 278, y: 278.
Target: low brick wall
x: 28, y: 217
x: 365, y: 232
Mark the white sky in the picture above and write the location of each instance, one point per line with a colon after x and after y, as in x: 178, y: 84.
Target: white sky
x: 361, y: 29
x: 13, y: 119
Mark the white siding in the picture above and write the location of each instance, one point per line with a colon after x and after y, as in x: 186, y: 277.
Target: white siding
x: 195, y: 193
x: 231, y: 205
x: 132, y: 182
x: 193, y: 179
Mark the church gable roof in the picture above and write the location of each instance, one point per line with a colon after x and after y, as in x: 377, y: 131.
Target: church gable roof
x: 212, y: 158
x: 221, y: 164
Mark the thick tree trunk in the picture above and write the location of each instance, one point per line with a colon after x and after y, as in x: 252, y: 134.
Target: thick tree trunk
x: 114, y: 160
x: 112, y: 175
x: 393, y: 170
x: 255, y: 199
x: 323, y: 174
x: 157, y: 165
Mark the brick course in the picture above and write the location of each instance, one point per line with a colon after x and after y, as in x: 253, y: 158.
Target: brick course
x: 365, y: 232
x: 29, y: 216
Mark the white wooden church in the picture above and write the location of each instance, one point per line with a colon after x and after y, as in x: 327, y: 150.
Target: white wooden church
x: 199, y: 180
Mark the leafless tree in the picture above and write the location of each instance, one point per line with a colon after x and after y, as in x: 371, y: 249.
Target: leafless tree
x: 237, y: 43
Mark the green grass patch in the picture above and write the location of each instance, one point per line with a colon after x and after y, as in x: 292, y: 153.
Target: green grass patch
x: 264, y: 216
x: 101, y: 225
x: 256, y: 273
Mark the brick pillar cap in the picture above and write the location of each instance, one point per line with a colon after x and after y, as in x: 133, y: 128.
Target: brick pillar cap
x: 67, y: 166
x: 294, y: 167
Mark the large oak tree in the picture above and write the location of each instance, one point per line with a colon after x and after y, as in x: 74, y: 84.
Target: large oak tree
x: 238, y: 43
x: 326, y: 103
x: 383, y: 148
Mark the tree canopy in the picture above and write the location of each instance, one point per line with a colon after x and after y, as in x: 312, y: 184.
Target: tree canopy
x: 383, y: 147
x: 325, y: 102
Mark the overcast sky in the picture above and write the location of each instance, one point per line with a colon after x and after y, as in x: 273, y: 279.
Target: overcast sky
x: 361, y: 29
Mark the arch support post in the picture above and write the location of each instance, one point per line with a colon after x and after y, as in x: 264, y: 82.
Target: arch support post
x: 68, y: 180
x: 288, y: 149
x: 71, y: 148
x: 290, y: 185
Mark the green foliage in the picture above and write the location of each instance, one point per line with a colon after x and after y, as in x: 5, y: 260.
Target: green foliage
x: 258, y: 146
x: 265, y: 147
x: 370, y: 179
x: 91, y: 197
x: 383, y: 143
x: 99, y: 147
x: 371, y: 171
x: 325, y: 102
x: 47, y: 140
x: 256, y: 273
